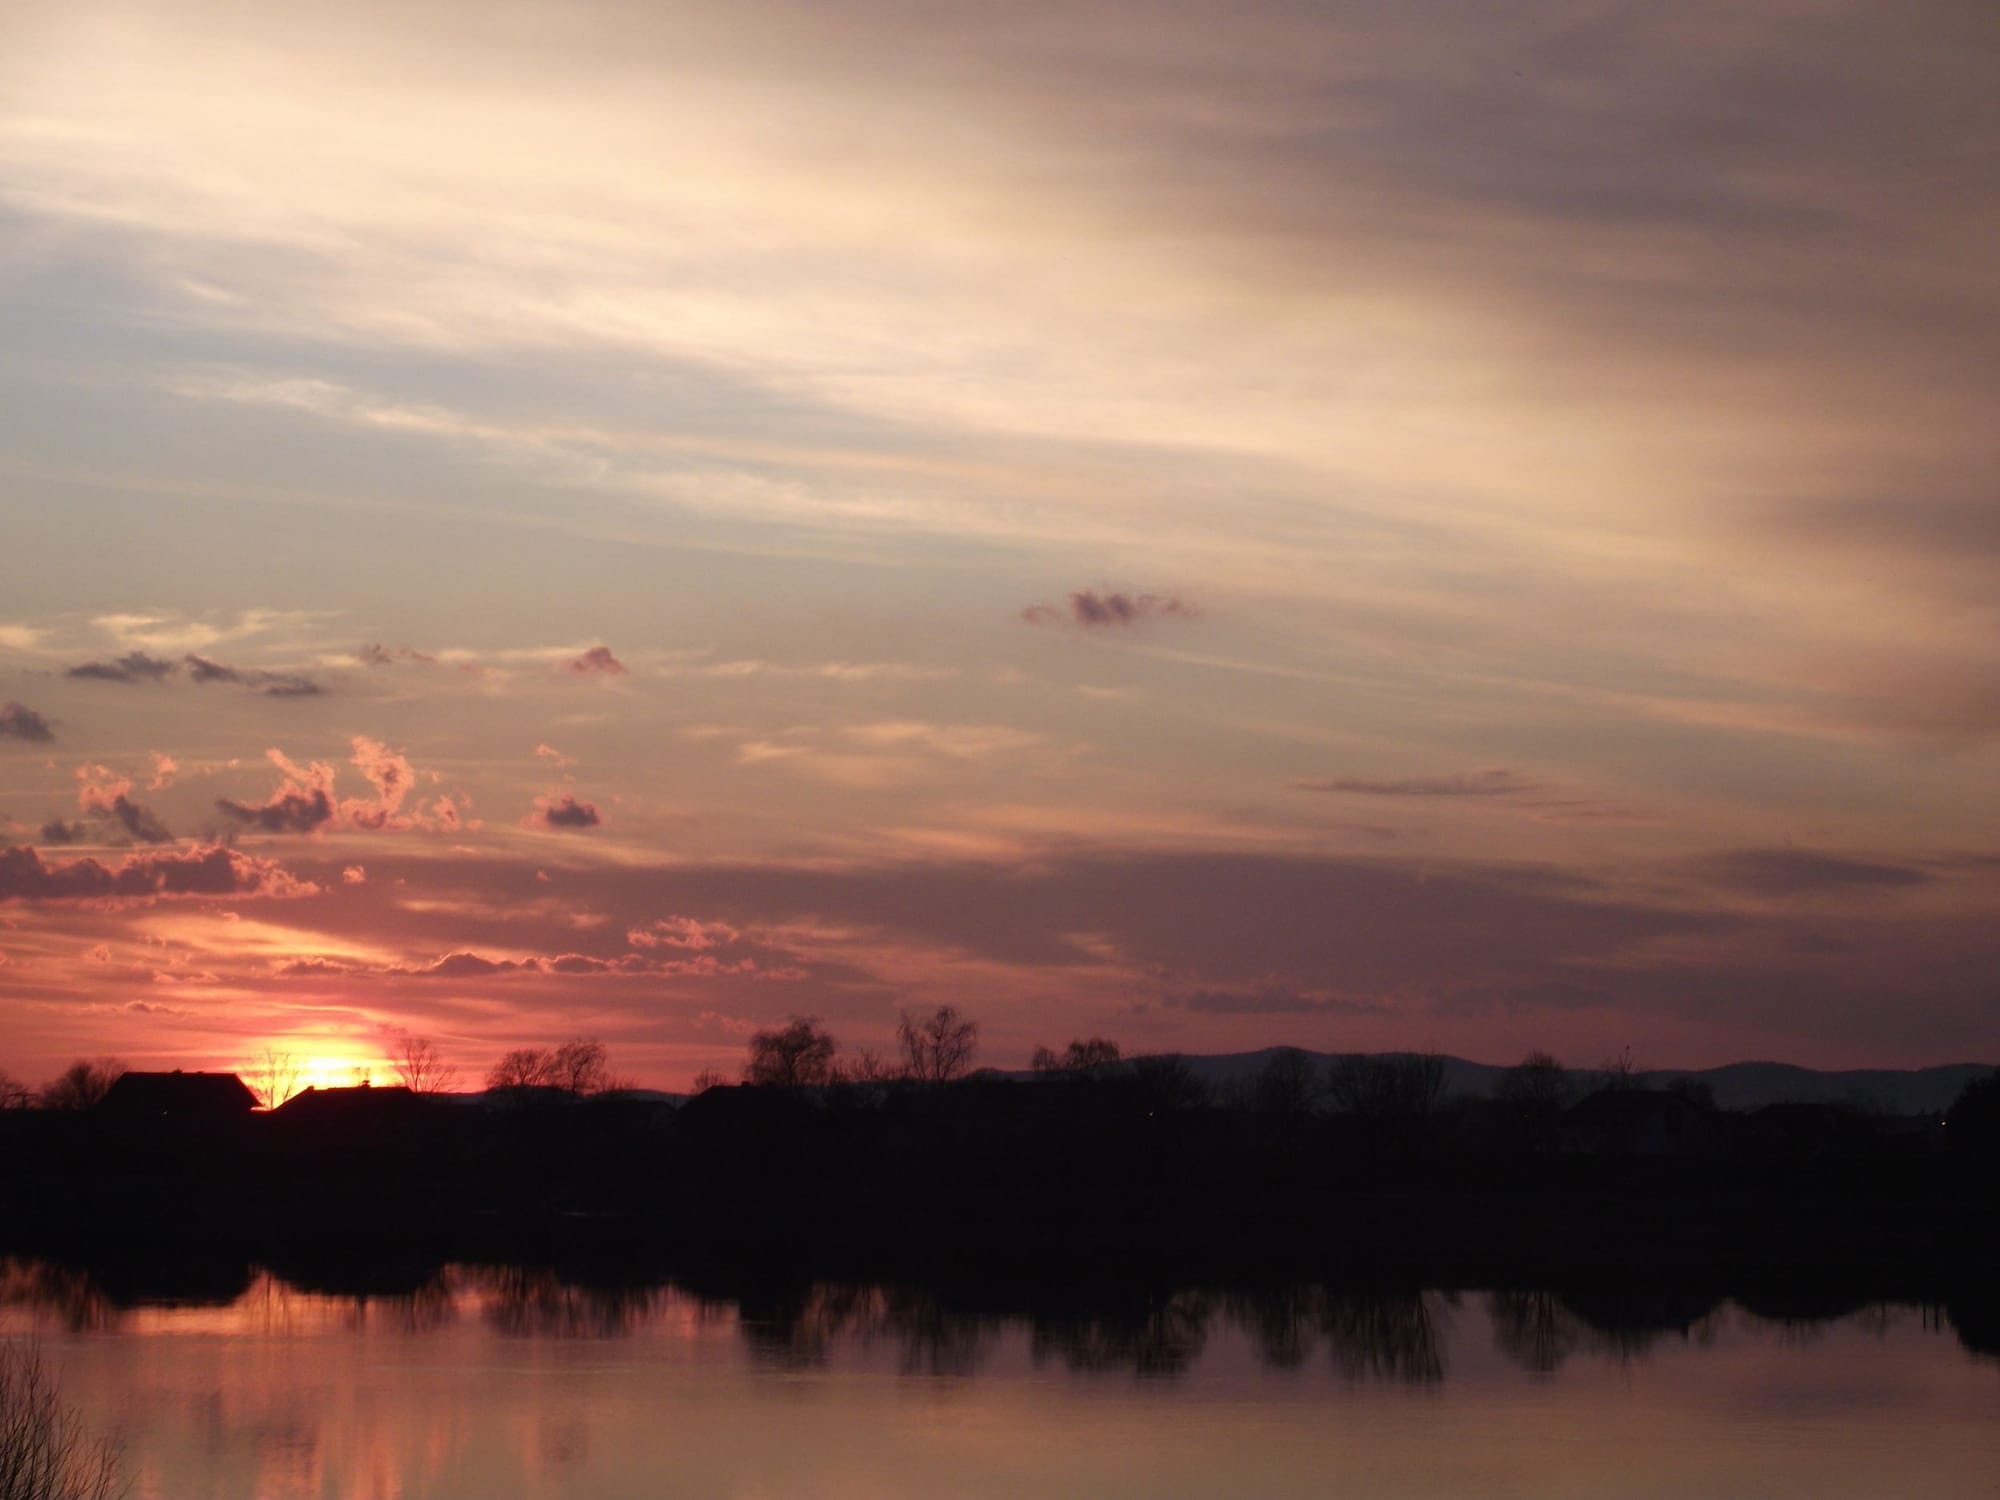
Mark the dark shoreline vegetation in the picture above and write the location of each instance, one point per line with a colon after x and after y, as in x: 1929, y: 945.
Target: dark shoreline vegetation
x: 1105, y: 1167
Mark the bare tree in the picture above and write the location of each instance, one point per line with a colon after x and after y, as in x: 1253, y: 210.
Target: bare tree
x: 579, y: 1067
x: 797, y: 1054
x: 273, y: 1076
x: 421, y: 1068
x: 523, y: 1068
x: 45, y: 1453
x: 1402, y: 1090
x: 939, y: 1047
x: 706, y: 1079
x: 82, y: 1084
x: 1287, y: 1087
x: 1537, y: 1086
x: 14, y: 1094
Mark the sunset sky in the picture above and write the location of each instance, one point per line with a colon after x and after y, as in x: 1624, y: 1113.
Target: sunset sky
x: 1368, y: 525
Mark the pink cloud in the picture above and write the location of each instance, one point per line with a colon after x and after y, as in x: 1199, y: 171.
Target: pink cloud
x: 683, y: 932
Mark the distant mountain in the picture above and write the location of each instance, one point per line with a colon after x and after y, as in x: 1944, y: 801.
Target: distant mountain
x: 1744, y: 1085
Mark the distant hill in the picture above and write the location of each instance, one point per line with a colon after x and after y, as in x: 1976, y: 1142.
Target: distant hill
x: 1744, y: 1085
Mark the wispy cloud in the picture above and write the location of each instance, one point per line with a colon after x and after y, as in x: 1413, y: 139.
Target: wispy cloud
x: 1496, y: 783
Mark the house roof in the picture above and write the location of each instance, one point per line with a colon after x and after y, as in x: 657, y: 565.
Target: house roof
x: 177, y: 1093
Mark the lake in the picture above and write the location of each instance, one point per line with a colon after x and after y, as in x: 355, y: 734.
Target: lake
x: 483, y: 1382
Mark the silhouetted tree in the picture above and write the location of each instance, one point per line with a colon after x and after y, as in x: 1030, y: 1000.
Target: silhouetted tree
x: 523, y: 1068
x: 45, y: 1453
x: 939, y: 1047
x: 1620, y: 1073
x: 795, y: 1055
x: 1168, y: 1083
x: 1972, y: 1127
x: 1382, y: 1090
x: 273, y: 1076
x: 579, y: 1066
x: 706, y: 1079
x: 1091, y: 1057
x: 14, y: 1094
x: 1287, y: 1087
x: 81, y: 1084
x: 1536, y: 1085
x: 421, y: 1067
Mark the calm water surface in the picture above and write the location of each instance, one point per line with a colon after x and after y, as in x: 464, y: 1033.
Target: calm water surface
x: 479, y: 1383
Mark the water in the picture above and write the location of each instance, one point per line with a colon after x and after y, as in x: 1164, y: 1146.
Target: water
x: 477, y: 1383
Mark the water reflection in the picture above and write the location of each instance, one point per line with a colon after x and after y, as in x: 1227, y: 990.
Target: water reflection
x: 1395, y: 1336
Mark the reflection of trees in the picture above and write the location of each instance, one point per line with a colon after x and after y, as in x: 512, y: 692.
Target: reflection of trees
x: 1281, y: 1321
x: 74, y: 1296
x: 1534, y: 1329
x: 1540, y: 1330
x: 1389, y: 1337
x: 1158, y: 1336
x: 797, y: 1326
x: 529, y: 1302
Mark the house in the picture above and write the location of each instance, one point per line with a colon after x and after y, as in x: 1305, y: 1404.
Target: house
x: 181, y: 1098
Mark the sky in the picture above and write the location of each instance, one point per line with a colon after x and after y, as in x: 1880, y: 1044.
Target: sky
x: 1361, y: 525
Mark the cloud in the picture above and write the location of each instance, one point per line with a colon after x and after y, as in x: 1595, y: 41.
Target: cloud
x: 375, y: 655
x: 562, y: 811
x: 1090, y: 609
x: 390, y: 773
x: 305, y: 800
x: 1272, y: 1000
x: 103, y: 793
x: 1788, y: 872
x: 597, y: 662
x: 354, y: 875
x: 683, y: 932
x: 302, y: 802
x: 134, y: 666
x: 19, y: 722
x: 550, y: 753
x: 1498, y: 783
x: 272, y: 684
x: 211, y: 871
x: 201, y: 669
x: 165, y: 769
x: 470, y: 965
x: 57, y: 831
x: 287, y: 685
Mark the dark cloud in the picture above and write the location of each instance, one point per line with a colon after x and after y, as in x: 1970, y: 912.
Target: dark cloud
x: 1789, y: 872
x: 135, y: 666
x: 136, y: 820
x: 1089, y: 609
x: 291, y: 809
x: 597, y: 662
x: 1465, y: 784
x: 563, y: 811
x: 19, y: 722
x: 211, y: 871
x: 376, y: 655
x: 58, y: 831
x: 287, y: 685
x: 271, y: 684
x: 201, y: 669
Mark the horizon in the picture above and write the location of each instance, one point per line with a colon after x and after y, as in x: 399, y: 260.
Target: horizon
x: 1468, y: 534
